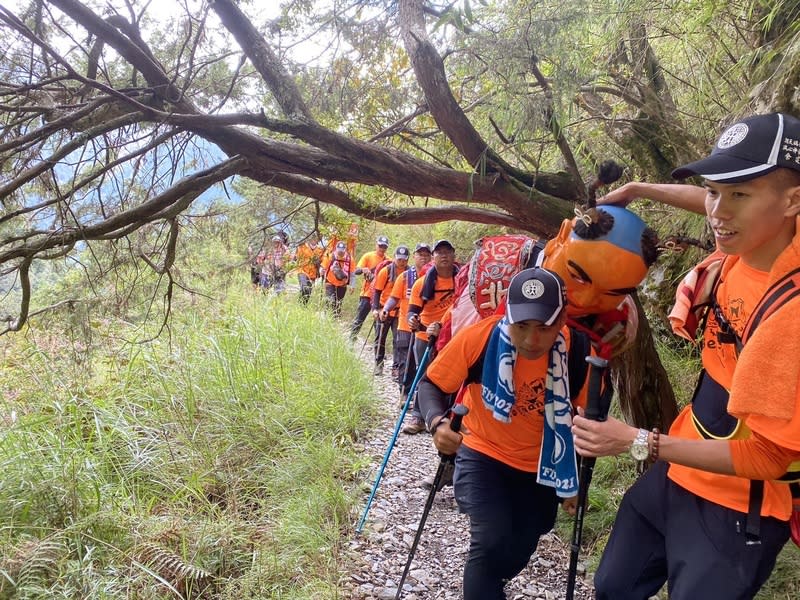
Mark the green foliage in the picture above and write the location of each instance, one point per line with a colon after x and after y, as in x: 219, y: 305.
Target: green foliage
x: 221, y: 460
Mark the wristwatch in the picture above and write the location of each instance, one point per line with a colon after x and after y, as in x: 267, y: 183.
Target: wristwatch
x: 640, y: 450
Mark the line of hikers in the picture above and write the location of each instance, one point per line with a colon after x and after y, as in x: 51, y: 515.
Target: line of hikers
x: 711, y: 514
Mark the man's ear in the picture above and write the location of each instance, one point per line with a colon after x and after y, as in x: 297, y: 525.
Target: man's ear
x: 793, y: 208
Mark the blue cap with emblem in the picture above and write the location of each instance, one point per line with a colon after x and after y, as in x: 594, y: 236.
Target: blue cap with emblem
x: 535, y: 294
x: 748, y: 149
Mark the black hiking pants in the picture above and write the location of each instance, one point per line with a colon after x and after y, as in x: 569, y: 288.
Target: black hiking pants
x: 664, y: 533
x: 384, y: 327
x: 508, y: 512
x: 363, y: 310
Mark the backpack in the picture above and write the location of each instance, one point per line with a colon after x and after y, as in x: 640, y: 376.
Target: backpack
x: 385, y: 262
x: 480, y: 285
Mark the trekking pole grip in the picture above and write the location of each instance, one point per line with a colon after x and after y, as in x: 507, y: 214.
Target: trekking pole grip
x: 459, y: 412
x: 596, y: 408
x: 431, y: 341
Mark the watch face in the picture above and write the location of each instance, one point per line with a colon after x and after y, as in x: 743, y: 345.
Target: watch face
x: 640, y: 451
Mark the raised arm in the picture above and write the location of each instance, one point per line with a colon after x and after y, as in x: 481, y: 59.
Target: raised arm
x: 679, y: 195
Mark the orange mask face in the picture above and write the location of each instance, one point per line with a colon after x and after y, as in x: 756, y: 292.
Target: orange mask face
x: 600, y: 272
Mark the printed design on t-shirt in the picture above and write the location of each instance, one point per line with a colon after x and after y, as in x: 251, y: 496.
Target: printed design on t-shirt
x: 736, y: 315
x: 530, y: 398
x: 443, y: 301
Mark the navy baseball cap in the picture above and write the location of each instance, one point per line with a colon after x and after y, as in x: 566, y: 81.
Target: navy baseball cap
x: 402, y: 252
x: 423, y: 246
x: 535, y: 294
x: 748, y: 149
x: 382, y: 241
x: 341, y: 246
x: 443, y: 243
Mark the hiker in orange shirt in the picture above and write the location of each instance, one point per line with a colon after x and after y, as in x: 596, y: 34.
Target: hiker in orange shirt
x: 366, y: 267
x: 709, y: 518
x: 401, y: 293
x: 431, y: 296
x: 387, y: 319
x: 336, y: 270
x: 514, y: 457
x: 308, y: 258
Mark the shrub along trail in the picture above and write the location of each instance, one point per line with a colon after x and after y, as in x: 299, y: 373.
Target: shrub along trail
x: 377, y: 556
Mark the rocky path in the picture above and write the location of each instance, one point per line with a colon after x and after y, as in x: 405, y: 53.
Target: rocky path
x: 377, y: 556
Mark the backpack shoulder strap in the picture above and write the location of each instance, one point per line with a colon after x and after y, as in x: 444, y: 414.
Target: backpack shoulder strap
x: 778, y: 294
x: 475, y: 371
x: 536, y: 250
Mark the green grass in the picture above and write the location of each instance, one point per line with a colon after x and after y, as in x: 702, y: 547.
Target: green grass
x: 216, y: 462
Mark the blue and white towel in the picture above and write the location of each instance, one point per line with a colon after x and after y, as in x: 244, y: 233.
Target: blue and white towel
x: 557, y: 463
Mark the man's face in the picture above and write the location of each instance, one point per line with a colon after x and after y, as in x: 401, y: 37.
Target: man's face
x: 533, y: 339
x: 381, y: 249
x: 421, y: 258
x: 753, y: 219
x: 401, y: 262
x: 443, y: 258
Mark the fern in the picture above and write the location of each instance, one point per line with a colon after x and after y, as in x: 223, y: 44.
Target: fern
x: 186, y: 580
x: 39, y: 565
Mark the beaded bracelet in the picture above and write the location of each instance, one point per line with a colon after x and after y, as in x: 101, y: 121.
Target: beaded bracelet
x: 654, y: 446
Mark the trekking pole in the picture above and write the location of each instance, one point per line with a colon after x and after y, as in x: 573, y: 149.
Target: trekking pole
x: 378, y: 336
x: 366, y: 339
x: 420, y: 372
x: 597, y: 406
x: 445, y: 462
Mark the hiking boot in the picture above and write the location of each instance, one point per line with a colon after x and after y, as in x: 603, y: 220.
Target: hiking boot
x: 415, y: 425
x: 378, y: 369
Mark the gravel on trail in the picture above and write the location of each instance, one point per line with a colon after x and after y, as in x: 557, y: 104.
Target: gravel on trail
x: 376, y: 557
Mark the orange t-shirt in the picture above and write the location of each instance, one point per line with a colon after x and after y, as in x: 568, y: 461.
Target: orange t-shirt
x: 738, y: 293
x: 384, y: 286
x: 518, y: 442
x: 434, y: 309
x: 401, y: 292
x: 344, y: 263
x: 369, y: 260
x: 307, y: 258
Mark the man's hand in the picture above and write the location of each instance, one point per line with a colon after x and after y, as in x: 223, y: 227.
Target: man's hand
x: 623, y: 335
x: 570, y: 505
x: 377, y: 315
x: 413, y: 321
x: 601, y: 438
x: 445, y: 439
x: 434, y: 329
x: 622, y: 196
